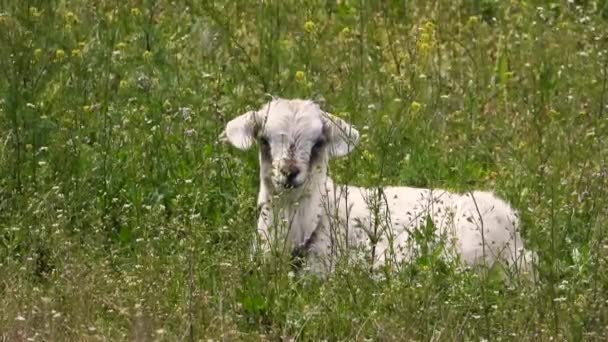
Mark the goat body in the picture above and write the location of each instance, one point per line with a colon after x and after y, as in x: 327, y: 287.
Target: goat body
x: 301, y: 209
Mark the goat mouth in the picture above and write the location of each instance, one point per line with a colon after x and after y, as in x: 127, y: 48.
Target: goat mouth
x: 280, y: 185
x: 292, y: 185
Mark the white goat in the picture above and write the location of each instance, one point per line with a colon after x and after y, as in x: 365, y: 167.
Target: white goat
x: 302, y: 210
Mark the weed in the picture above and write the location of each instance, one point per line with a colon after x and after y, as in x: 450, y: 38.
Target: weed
x: 122, y: 217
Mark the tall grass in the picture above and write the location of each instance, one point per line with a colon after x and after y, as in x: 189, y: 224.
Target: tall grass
x: 122, y: 217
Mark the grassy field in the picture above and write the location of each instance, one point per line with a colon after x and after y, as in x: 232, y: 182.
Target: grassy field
x: 123, y: 218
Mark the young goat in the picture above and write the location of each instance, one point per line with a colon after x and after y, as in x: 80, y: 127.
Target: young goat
x: 303, y: 211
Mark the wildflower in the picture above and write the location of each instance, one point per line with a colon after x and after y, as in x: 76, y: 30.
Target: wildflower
x: 37, y: 54
x: 186, y: 113
x: 123, y: 84
x: 367, y: 155
x: 424, y: 48
x: 287, y: 44
x: 300, y: 76
x: 473, y: 20
x: 121, y: 45
x: 76, y: 53
x: 110, y: 16
x: 429, y: 26
x: 167, y: 105
x: 310, y: 26
x: 147, y: 55
x: 426, y: 39
x: 135, y: 12
x: 59, y: 55
x: 415, y: 107
x: 385, y: 119
x: 35, y: 12
x: 71, y: 18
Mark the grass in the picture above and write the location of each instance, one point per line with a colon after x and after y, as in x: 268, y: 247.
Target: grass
x: 123, y: 218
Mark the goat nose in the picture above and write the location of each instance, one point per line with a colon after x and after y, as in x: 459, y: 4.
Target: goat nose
x: 290, y: 170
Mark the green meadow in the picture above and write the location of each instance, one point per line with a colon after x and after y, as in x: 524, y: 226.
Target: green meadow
x: 122, y: 217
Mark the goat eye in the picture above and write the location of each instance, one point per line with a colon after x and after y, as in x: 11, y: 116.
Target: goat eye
x: 318, y: 144
x: 264, y: 141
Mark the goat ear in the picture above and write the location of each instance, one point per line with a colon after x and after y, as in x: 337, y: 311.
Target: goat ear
x: 342, y: 136
x: 240, y: 131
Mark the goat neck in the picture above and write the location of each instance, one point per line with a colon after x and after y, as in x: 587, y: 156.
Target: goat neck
x: 300, y: 209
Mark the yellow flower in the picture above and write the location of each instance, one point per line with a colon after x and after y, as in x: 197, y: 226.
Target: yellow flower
x: 429, y: 26
x: 37, y: 54
x: 473, y: 20
x: 135, y: 12
x: 415, y: 107
x: 426, y: 39
x: 123, y: 84
x: 300, y: 76
x: 121, y: 45
x: 310, y: 26
x: 59, y: 55
x: 287, y: 44
x: 71, y: 18
x: 424, y: 48
x: 385, y: 119
x: 34, y: 12
x: 367, y: 155
x: 346, y: 34
x: 110, y: 16
x: 76, y: 53
x: 147, y: 55
x: 553, y: 113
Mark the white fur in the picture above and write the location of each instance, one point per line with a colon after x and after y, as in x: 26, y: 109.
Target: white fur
x: 375, y: 225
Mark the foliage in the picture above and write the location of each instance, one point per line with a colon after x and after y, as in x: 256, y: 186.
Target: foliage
x: 122, y: 217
